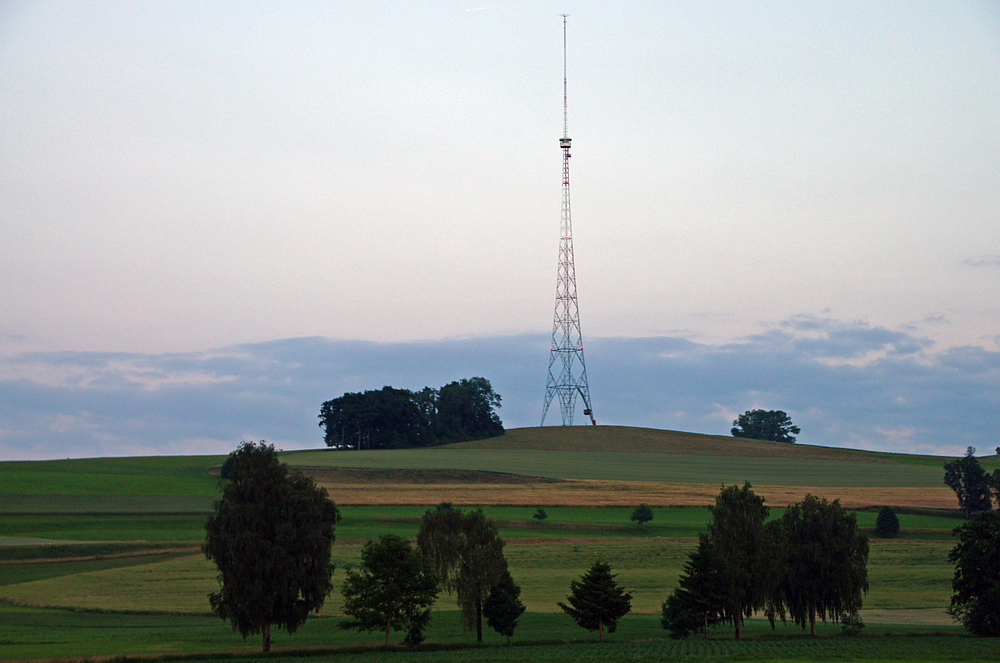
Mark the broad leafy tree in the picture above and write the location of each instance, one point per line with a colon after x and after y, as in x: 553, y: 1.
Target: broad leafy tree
x: 696, y: 603
x: 738, y: 538
x: 826, y: 567
x: 887, y: 523
x: 466, y: 551
x: 597, y: 601
x: 976, y: 585
x: 270, y: 537
x: 642, y: 514
x: 772, y: 425
x: 971, y: 483
x: 393, y: 590
x: 503, y: 606
x: 465, y: 411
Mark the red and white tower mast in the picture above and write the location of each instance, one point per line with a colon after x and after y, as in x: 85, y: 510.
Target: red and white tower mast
x: 567, y: 370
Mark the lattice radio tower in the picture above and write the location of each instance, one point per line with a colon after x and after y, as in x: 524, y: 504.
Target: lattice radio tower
x: 567, y: 369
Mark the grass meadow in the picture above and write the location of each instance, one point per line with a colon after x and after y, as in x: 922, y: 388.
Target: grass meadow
x: 101, y: 557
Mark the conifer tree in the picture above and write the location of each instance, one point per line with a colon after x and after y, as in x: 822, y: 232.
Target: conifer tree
x: 696, y: 603
x: 596, y: 601
x: 503, y: 606
x: 887, y: 523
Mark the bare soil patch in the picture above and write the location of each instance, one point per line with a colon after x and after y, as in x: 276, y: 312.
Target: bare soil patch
x: 573, y: 492
x: 355, y: 476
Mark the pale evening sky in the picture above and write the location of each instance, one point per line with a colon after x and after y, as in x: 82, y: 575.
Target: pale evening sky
x: 789, y: 205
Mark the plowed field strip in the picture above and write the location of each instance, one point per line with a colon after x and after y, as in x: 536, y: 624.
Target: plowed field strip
x: 623, y: 493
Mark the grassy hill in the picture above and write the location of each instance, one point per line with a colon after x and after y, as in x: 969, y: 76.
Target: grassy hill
x: 653, y: 440
x: 578, y: 465
x: 618, y: 465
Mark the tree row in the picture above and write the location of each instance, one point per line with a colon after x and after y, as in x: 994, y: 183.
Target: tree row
x: 271, y: 535
x: 811, y: 563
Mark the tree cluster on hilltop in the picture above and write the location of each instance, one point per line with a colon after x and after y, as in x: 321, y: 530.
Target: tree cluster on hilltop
x: 390, y: 418
x: 773, y: 425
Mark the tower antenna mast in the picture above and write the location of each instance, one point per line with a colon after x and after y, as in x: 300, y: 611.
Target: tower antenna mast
x: 565, y: 95
x: 567, y: 376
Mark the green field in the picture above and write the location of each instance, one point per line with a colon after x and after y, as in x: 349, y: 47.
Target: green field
x: 99, y: 557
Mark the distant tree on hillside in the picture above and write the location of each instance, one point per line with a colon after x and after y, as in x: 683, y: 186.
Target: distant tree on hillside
x: 540, y: 514
x: 972, y: 485
x: 772, y: 425
x: 642, y: 514
x: 887, y: 523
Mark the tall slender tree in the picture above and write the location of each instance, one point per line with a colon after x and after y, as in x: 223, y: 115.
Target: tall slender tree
x: 737, y: 535
x: 466, y: 551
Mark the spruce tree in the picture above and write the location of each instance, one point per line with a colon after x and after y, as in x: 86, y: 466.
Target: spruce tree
x: 502, y: 607
x: 596, y: 601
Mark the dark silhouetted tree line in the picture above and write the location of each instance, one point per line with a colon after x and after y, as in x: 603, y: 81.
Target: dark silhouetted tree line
x: 390, y: 418
x: 811, y: 563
